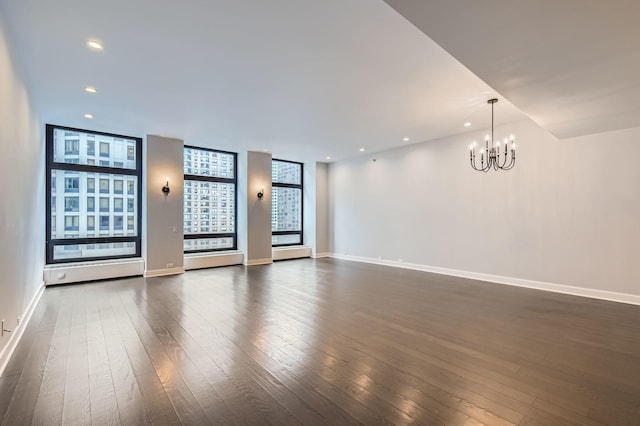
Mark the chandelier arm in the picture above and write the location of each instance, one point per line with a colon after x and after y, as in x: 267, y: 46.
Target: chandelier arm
x: 513, y: 163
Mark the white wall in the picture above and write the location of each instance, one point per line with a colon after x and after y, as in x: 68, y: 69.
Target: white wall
x: 21, y: 194
x: 164, y: 250
x: 257, y: 212
x: 322, y: 209
x: 568, y: 213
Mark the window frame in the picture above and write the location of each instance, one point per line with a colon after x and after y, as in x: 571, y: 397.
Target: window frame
x: 234, y: 181
x: 295, y: 186
x: 51, y: 165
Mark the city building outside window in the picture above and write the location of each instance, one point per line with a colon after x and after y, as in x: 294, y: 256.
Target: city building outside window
x: 72, y: 179
x: 210, y: 198
x: 286, y: 203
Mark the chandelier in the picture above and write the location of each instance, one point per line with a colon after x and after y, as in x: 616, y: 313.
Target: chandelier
x: 490, y: 156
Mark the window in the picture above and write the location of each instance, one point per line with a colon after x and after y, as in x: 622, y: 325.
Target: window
x: 91, y: 147
x: 209, y: 200
x: 104, y: 186
x: 71, y: 223
x: 104, y: 204
x: 131, y: 152
x: 286, y: 203
x: 71, y: 184
x: 104, y: 223
x: 118, y: 186
x: 71, y: 204
x: 71, y: 147
x: 104, y: 149
x: 75, y: 237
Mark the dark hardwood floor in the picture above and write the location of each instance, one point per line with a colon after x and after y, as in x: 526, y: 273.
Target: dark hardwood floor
x: 322, y: 342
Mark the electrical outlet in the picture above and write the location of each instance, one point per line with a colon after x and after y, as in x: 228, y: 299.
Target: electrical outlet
x: 169, y: 265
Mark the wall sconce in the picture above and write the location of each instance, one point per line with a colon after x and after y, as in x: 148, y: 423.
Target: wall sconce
x: 261, y: 193
x: 166, y: 189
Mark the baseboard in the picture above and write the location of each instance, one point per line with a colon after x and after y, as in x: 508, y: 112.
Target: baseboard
x: 163, y: 272
x: 18, y: 331
x: 255, y: 262
x: 320, y: 255
x: 518, y: 282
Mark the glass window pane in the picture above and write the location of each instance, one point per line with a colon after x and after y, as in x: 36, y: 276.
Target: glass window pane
x: 78, y: 199
x: 213, y: 207
x: 285, y: 239
x: 80, y: 148
x: 284, y: 172
x: 80, y: 251
x: 208, y: 244
x: 286, y: 209
x: 202, y: 162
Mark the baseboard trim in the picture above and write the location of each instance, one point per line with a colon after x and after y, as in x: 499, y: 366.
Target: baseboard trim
x: 16, y: 335
x: 255, y: 262
x: 163, y: 272
x: 518, y: 282
x: 320, y: 255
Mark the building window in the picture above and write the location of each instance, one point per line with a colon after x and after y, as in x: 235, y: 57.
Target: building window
x: 91, y: 147
x: 286, y: 203
x: 71, y: 147
x: 130, y: 187
x: 118, y: 186
x: 77, y: 240
x: 210, y: 183
x: 104, y: 223
x: 104, y: 186
x: 71, y: 184
x: 104, y: 204
x: 71, y: 223
x: 104, y: 149
x: 71, y: 204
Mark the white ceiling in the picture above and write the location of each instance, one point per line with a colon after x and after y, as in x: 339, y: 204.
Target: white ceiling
x: 573, y: 66
x: 304, y: 79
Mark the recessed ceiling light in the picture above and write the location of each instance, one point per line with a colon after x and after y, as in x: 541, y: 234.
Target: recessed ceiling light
x: 406, y: 139
x: 328, y: 158
x: 467, y: 124
x: 88, y: 116
x: 94, y: 45
x: 90, y: 89
x: 361, y: 149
